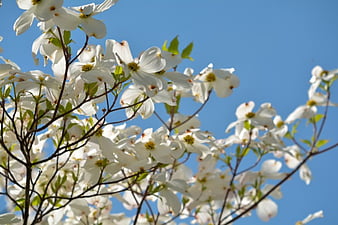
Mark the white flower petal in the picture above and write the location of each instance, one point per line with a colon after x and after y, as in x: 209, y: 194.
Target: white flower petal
x: 151, y: 83
x: 172, y: 60
x: 316, y: 72
x: 313, y: 216
x: 300, y: 112
x: 24, y: 4
x: 94, y: 28
x: 305, y: 174
x: 122, y: 51
x: 266, y: 209
x: 9, y: 218
x: 244, y: 108
x: 23, y: 22
x: 180, y: 80
x: 221, y: 88
x: 44, y: 10
x: 151, y: 60
x: 66, y: 19
x: 171, y: 200
x: 104, y: 6
x: 271, y: 166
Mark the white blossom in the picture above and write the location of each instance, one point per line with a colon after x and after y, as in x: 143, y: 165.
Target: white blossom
x: 266, y: 209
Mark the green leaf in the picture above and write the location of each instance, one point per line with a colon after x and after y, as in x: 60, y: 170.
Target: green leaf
x: 164, y: 46
x: 28, y: 113
x: 36, y: 201
x: 185, y: 200
x: 245, y: 152
x: 173, y: 46
x: 238, y: 151
x: 187, y: 51
x: 7, y: 92
x: 49, y: 105
x: 64, y: 179
x: 247, y: 125
x: 241, y: 192
x: 56, y: 42
x: 69, y: 49
x: 42, y: 112
x: 294, y: 129
x: 62, y: 109
x: 257, y: 151
x: 142, y: 176
x: 259, y: 194
x: 118, y: 70
x: 91, y: 89
x: 59, y: 182
x: 157, y: 189
x: 288, y: 135
x: 75, y: 178
x: 316, y: 118
x: 69, y: 107
x: 307, y: 142
x: 66, y: 37
x: 228, y: 160
x: 70, y: 125
x: 20, y: 202
x: 320, y: 143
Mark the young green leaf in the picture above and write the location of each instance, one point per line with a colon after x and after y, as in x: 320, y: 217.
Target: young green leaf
x: 320, y: 143
x: 66, y: 37
x: 36, y: 201
x: 7, y: 92
x: 317, y: 118
x: 307, y: 142
x: 247, y: 125
x: 56, y: 42
x: 173, y: 46
x: 164, y: 46
x: 69, y: 107
x: 91, y: 88
x: 187, y: 51
x: 294, y: 129
x: 245, y: 152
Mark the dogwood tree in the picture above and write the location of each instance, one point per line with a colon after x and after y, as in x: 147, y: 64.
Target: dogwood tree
x: 67, y: 156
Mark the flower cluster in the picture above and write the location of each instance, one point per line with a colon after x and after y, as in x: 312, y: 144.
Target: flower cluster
x: 67, y: 155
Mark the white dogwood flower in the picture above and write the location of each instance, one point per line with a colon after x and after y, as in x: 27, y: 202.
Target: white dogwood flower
x: 91, y: 26
x: 142, y: 69
x: 266, y: 209
x: 262, y: 119
x: 223, y: 81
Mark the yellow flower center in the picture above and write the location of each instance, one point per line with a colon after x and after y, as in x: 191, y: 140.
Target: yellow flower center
x: 84, y: 16
x: 189, y: 139
x: 150, y: 145
x: 324, y: 73
x: 311, y: 103
x: 99, y: 133
x: 87, y: 67
x: 34, y: 2
x: 250, y: 115
x: 202, y: 180
x: 279, y: 124
x: 133, y: 66
x: 102, y: 162
x: 177, y: 123
x: 160, y: 72
x: 211, y: 77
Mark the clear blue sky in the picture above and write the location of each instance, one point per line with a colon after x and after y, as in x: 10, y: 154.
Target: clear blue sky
x: 272, y: 44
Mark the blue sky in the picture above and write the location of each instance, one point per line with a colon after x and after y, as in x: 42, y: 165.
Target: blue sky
x: 272, y: 44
